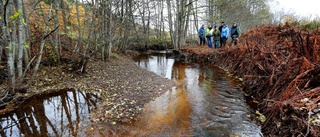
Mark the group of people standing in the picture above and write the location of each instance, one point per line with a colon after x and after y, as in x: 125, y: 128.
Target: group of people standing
x: 219, y: 36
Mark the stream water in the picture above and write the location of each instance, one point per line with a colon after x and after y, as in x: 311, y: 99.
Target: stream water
x: 206, y: 102
x: 63, y: 113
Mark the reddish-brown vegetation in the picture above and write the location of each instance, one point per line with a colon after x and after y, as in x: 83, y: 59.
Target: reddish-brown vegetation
x: 280, y: 67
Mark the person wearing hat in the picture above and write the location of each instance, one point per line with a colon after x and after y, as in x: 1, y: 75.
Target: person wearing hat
x: 216, y: 37
x: 235, y: 33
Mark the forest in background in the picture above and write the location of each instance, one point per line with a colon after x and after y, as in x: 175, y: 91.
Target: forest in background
x: 53, y: 32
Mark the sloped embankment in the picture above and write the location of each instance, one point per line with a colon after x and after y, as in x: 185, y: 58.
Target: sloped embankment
x: 280, y: 67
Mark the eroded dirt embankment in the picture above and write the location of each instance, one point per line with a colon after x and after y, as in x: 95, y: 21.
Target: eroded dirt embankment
x: 280, y: 67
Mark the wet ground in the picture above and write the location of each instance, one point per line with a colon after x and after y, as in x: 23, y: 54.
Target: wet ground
x: 206, y: 102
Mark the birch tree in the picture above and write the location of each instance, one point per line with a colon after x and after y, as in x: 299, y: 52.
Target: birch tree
x: 22, y: 39
x: 8, y: 43
x: 14, y: 40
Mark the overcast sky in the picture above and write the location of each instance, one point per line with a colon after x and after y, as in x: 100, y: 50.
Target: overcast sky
x: 304, y: 8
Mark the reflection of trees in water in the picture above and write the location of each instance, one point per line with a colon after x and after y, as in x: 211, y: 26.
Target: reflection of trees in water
x: 157, y: 63
x: 143, y: 61
x: 178, y: 72
x: 56, y: 116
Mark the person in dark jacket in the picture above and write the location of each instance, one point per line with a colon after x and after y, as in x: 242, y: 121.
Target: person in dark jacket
x: 216, y: 37
x: 201, y: 36
x: 220, y: 29
x: 235, y: 33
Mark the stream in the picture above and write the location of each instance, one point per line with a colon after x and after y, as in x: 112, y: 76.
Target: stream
x: 205, y: 102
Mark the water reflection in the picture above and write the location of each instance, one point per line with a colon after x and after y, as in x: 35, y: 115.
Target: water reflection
x: 205, y: 103
x: 168, y: 115
x: 156, y: 63
x: 64, y: 114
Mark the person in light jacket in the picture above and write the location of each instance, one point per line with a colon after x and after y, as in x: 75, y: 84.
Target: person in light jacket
x: 209, y: 32
x: 224, y: 34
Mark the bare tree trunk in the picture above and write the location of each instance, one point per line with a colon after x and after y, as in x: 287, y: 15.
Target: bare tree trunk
x: 143, y: 18
x: 7, y: 41
x: 64, y: 15
x: 1, y: 49
x: 110, y: 34
x: 96, y: 30
x: 148, y: 24
x: 13, y: 25
x: 195, y: 17
x: 187, y: 14
x: 157, y: 12
x: 128, y: 26
x: 1, y: 24
x: 122, y: 25
x: 22, y: 40
x: 90, y: 27
x: 172, y: 35
x: 45, y: 35
x: 160, y: 18
x: 79, y: 44
x: 26, y: 48
x: 131, y: 16
x: 85, y: 58
x: 103, y: 36
x: 179, y: 23
x: 56, y: 38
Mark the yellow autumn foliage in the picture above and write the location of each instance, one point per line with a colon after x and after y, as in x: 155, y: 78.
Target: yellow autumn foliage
x: 36, y: 16
x: 287, y: 19
x: 73, y: 15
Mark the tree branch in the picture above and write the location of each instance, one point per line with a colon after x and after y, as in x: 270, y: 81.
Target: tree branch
x: 50, y: 32
x: 28, y: 66
x: 4, y: 12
